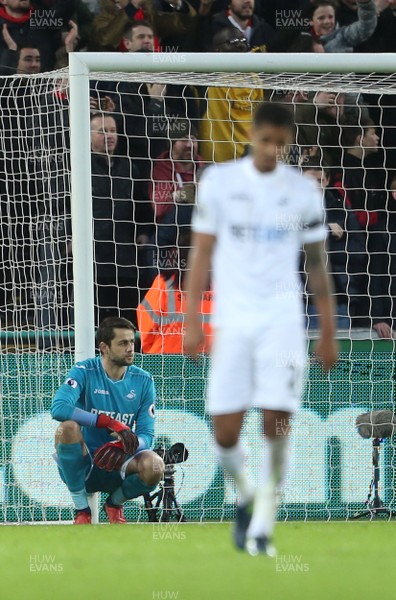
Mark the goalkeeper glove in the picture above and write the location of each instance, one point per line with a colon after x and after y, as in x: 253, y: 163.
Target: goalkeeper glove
x: 128, y: 439
x: 110, y: 456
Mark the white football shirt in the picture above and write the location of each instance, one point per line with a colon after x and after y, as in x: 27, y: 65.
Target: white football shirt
x: 261, y: 221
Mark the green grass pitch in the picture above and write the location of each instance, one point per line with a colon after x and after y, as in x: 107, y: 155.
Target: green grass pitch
x: 316, y: 561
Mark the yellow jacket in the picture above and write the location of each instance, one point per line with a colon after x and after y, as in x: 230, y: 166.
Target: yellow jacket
x: 226, y: 122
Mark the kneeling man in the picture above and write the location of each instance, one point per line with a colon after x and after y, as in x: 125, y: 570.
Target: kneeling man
x: 106, y: 407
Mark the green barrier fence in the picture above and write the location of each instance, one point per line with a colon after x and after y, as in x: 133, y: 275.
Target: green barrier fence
x: 330, y: 463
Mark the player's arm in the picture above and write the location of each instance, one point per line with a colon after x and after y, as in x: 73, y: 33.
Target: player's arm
x: 197, y: 282
x: 313, y: 238
x: 68, y: 395
x: 321, y: 288
x: 64, y: 409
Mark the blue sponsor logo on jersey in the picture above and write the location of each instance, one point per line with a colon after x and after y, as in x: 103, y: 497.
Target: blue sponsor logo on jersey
x: 258, y: 233
x: 103, y: 392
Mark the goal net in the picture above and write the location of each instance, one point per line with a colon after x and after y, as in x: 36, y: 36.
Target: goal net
x: 151, y: 134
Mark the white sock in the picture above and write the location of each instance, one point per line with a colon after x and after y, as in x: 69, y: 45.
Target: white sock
x: 273, y: 468
x: 233, y: 462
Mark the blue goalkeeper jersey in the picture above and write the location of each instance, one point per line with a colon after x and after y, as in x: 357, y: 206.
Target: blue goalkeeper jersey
x: 88, y: 391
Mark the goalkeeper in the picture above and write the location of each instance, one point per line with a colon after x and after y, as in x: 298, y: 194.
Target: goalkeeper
x: 106, y: 406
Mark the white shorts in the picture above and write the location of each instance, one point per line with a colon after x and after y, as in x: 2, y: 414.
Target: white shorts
x: 262, y: 367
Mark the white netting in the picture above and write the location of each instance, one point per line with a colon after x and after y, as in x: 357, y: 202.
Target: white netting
x: 332, y: 82
x: 143, y: 195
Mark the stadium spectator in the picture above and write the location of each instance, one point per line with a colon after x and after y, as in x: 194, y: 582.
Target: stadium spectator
x: 224, y: 126
x: 41, y: 27
x: 362, y: 185
x: 122, y: 220
x: 364, y: 189
x: 172, y: 192
x: 161, y: 313
x: 319, y: 119
x: 240, y: 15
x: 175, y: 171
x: 173, y: 22
x: 145, y: 109
x: 22, y: 60
x: 322, y: 15
x: 345, y: 246
x: 111, y: 21
x: 318, y: 126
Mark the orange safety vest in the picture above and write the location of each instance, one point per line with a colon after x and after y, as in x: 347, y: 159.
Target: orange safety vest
x: 160, y: 318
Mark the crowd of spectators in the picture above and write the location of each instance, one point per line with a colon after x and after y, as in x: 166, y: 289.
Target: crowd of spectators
x: 150, y: 141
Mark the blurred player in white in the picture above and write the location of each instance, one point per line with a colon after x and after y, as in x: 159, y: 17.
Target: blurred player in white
x: 252, y: 219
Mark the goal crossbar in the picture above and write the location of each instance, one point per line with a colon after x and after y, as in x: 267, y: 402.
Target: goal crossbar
x: 344, y: 62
